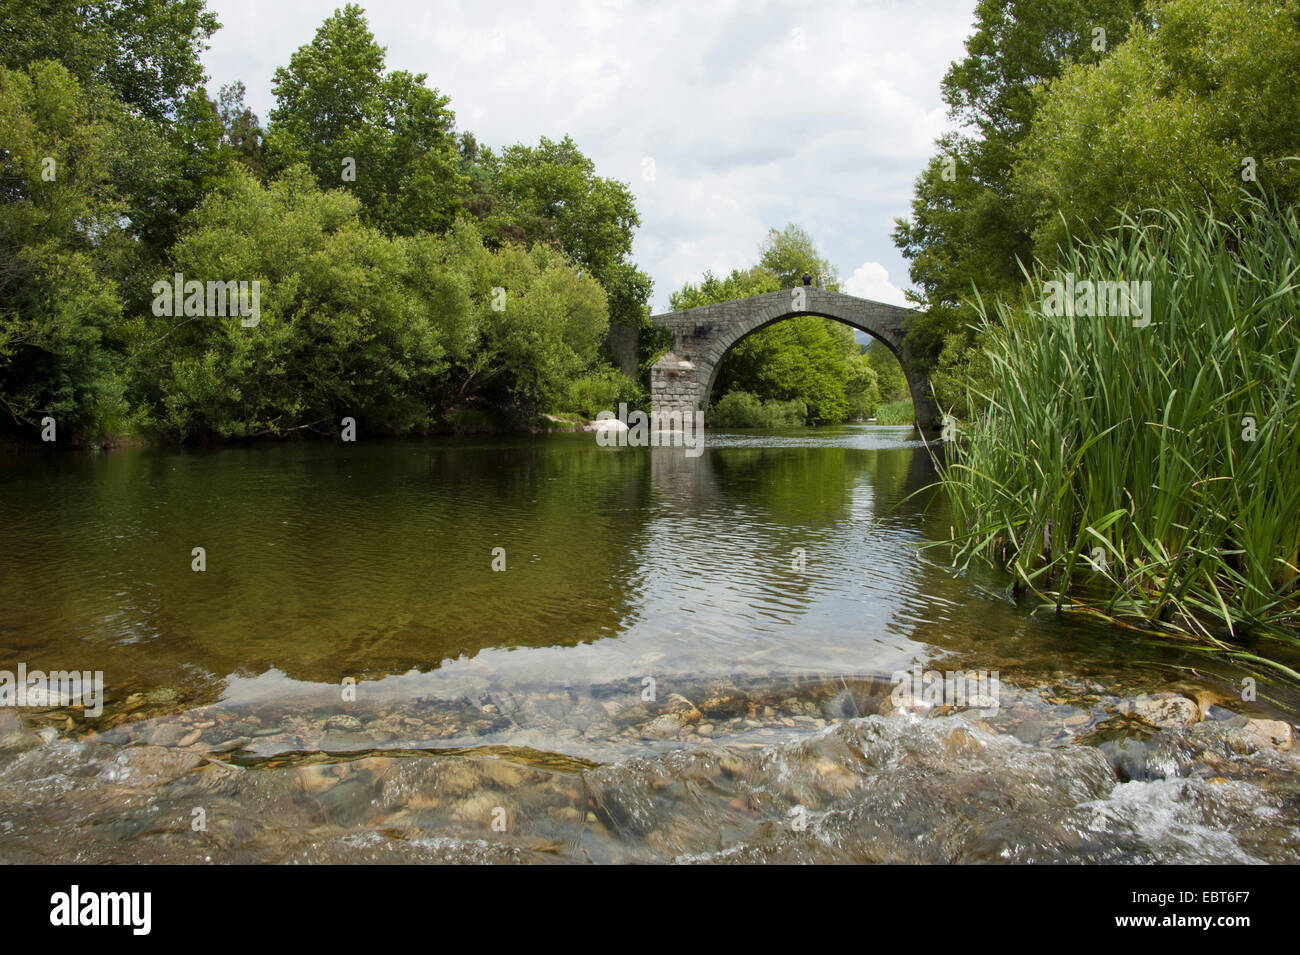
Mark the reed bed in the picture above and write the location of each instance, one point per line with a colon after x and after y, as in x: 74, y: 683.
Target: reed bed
x: 1147, y: 468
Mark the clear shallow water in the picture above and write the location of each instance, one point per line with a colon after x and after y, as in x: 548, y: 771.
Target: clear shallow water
x: 780, y: 568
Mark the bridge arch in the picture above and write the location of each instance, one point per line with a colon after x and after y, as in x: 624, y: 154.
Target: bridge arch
x: 682, y: 380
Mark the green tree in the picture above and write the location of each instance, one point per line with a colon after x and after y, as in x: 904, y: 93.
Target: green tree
x: 788, y: 254
x: 536, y: 323
x: 862, y: 389
x: 338, y: 330
x: 240, y: 129
x: 197, y: 157
x: 550, y: 193
x: 385, y: 136
x: 144, y: 55
x: 889, y: 373
x: 1190, y: 106
x: 146, y: 51
x: 60, y: 220
x: 967, y: 231
x: 739, y: 284
x: 806, y: 358
x: 392, y: 331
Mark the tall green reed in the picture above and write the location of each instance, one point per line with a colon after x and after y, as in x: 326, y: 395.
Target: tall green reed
x: 1148, y: 467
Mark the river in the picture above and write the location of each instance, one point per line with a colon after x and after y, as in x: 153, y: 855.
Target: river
x: 536, y: 649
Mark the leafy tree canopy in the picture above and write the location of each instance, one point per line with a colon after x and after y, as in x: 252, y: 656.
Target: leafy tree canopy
x: 385, y: 136
x: 966, y: 229
x: 1203, y: 105
x: 146, y: 51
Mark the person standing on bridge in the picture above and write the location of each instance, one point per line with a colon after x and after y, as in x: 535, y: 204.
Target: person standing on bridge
x: 807, y: 279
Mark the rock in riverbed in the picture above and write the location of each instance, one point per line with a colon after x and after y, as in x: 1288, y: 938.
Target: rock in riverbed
x: 1269, y: 734
x: 1163, y: 710
x: 664, y: 726
x: 678, y: 705
x: 723, y: 700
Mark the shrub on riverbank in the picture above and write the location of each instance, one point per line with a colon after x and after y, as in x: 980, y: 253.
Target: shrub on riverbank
x: 387, y: 330
x: 896, y: 412
x: 1155, y: 459
x: 604, y: 389
x: 740, y: 409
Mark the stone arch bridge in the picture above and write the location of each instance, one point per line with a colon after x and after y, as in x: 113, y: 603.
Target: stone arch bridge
x: 682, y: 380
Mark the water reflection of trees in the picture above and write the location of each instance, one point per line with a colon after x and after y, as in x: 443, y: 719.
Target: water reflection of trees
x: 325, y: 560
x: 364, y: 560
x: 795, y: 485
x: 736, y: 521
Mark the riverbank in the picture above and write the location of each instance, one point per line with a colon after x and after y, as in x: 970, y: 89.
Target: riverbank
x: 465, y: 423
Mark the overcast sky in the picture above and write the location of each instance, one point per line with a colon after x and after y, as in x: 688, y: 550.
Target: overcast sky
x: 726, y: 119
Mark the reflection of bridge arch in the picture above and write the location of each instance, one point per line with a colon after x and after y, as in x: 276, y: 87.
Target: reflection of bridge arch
x: 682, y: 379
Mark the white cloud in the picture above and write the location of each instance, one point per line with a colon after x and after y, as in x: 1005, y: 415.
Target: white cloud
x: 871, y: 280
x: 755, y: 114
